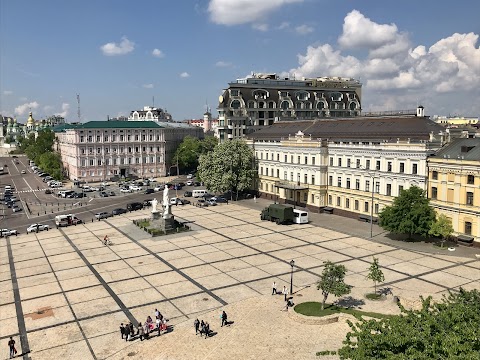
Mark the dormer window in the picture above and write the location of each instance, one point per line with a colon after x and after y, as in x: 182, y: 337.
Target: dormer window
x: 235, y: 104
x: 302, y: 95
x: 284, y: 93
x: 336, y: 96
x: 234, y: 92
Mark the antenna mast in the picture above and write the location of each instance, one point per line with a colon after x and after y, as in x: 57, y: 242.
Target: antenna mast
x: 78, y: 107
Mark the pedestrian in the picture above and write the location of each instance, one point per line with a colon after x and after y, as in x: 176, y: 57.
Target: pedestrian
x: 157, y: 313
x: 202, y: 328
x: 196, y: 324
x: 122, y: 330
x: 224, y: 318
x: 158, y: 324
x: 140, y: 331
x: 127, y: 332
x: 132, y: 330
x: 164, y: 324
x: 284, y: 292
x: 255, y: 198
x: 106, y: 240
x: 207, y: 330
x: 11, y: 345
x: 274, y: 288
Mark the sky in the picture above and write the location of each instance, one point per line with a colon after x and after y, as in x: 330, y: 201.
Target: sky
x: 122, y: 55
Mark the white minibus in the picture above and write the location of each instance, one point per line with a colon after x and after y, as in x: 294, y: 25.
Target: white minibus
x: 300, y: 216
x: 198, y: 193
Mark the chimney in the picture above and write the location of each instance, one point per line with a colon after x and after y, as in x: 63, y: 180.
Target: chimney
x: 420, y: 111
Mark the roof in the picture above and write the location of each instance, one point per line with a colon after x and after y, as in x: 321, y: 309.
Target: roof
x: 462, y: 148
x: 357, y: 128
x: 63, y: 127
x: 118, y: 124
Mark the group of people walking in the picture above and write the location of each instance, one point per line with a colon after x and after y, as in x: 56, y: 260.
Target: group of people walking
x: 288, y: 300
x: 203, y: 328
x: 128, y: 332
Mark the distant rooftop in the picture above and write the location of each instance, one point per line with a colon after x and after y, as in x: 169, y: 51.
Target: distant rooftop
x: 464, y: 149
x: 274, y: 79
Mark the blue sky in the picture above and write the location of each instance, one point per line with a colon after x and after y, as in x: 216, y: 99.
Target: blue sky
x: 119, y: 54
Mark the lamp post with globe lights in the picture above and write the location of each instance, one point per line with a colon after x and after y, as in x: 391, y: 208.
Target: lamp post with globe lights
x: 292, y: 264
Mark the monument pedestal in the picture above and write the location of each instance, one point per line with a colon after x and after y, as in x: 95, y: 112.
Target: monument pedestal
x: 167, y: 224
x: 156, y: 215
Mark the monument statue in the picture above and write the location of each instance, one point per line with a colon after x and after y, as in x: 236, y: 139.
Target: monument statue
x: 154, y: 205
x: 166, y: 202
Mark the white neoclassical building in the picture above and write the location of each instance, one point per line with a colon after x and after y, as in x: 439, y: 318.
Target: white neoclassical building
x: 338, y: 164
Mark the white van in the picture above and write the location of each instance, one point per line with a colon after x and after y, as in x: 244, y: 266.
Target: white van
x: 199, y: 193
x: 300, y: 216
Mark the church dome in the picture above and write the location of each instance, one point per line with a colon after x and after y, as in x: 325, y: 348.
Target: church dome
x: 30, y: 120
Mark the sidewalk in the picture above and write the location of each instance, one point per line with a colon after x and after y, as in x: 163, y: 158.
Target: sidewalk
x: 361, y: 229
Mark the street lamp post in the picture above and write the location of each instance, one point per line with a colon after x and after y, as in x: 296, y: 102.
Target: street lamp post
x: 292, y: 264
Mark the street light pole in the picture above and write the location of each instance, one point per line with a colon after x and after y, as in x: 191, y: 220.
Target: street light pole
x: 292, y: 263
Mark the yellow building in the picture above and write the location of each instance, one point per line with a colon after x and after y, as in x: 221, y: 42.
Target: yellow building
x: 454, y: 186
x: 456, y: 121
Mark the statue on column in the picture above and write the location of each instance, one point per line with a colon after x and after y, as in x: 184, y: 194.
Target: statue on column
x: 154, y: 205
x: 166, y: 203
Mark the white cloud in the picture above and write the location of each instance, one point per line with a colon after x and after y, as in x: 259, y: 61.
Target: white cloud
x: 47, y: 108
x: 228, y: 12
x: 27, y: 107
x: 396, y: 74
x: 223, y: 64
x: 158, y: 53
x: 304, y: 29
x: 64, y: 112
x: 260, y: 27
x: 112, y: 49
x: 284, y: 25
x: 7, y: 92
x: 147, y: 86
x: 184, y: 74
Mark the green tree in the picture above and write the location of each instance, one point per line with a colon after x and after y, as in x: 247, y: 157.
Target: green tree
x: 410, y: 213
x: 187, y: 153
x: 208, y: 144
x: 332, y: 281
x: 51, y: 163
x: 230, y: 166
x: 445, y: 330
x: 442, y: 227
x: 375, y: 273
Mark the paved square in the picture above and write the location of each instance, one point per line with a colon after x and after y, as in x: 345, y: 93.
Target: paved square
x: 73, y: 291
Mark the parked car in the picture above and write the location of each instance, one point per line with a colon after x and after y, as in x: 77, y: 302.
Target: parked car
x: 102, y: 215
x: 16, y: 208
x: 125, y: 190
x: 152, y: 180
x: 196, y: 183
x: 105, y: 183
x: 135, y: 188
x: 159, y: 188
x: 182, y: 201
x: 190, y: 182
x: 201, y: 203
x: 182, y: 184
x: 149, y: 191
x: 174, y: 201
x: 134, y: 206
x: 111, y: 193
x: 7, y: 232
x: 79, y: 195
x: 187, y: 194
x: 219, y: 199
x: 37, y: 227
x: 48, y: 191
x: 147, y: 202
x: 23, y: 172
x: 211, y: 202
x: 190, y: 176
x: 103, y: 194
x: 118, y: 211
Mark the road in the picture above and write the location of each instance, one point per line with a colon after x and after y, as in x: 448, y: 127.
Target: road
x: 30, y: 189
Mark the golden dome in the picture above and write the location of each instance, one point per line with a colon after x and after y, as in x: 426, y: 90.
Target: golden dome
x: 30, y: 120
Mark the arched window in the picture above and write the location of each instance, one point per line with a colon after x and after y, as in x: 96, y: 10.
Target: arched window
x: 235, y: 104
x: 251, y: 104
x: 285, y: 105
x: 320, y: 105
x: 271, y: 105
x: 353, y: 106
x: 261, y: 104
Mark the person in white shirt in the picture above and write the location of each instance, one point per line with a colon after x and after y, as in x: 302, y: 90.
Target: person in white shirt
x: 274, y: 288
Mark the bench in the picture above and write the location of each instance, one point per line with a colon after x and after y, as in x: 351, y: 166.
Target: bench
x: 328, y: 210
x: 366, y: 218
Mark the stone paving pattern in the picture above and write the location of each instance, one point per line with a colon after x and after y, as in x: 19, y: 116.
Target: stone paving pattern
x: 72, y: 291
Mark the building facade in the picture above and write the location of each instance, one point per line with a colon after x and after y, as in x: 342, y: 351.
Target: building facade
x: 207, y: 123
x: 454, y: 186
x: 149, y: 113
x: 263, y: 99
x: 99, y: 150
x: 339, y: 164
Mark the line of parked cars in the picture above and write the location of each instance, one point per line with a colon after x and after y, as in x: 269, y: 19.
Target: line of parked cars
x: 10, y: 200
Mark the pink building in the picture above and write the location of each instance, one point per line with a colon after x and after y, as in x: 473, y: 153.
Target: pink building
x: 99, y: 150
x: 207, y: 123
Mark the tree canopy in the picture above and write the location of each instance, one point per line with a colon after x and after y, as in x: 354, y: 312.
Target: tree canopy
x: 441, y: 227
x: 190, y: 149
x: 230, y: 166
x: 410, y: 213
x: 444, y: 330
x: 375, y: 273
x: 332, y: 281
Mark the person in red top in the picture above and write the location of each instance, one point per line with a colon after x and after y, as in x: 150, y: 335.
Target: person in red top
x: 106, y: 240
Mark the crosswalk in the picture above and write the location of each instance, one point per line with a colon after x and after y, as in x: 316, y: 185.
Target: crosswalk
x: 36, y: 190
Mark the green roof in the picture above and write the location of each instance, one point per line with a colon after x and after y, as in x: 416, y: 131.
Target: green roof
x: 63, y: 127
x: 118, y: 124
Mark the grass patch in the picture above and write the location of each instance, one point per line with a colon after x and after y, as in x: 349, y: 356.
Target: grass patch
x: 373, y: 296
x: 143, y: 223
x: 313, y: 308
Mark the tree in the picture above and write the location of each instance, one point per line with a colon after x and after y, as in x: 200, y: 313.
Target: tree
x: 230, y: 166
x: 441, y: 227
x: 190, y: 150
x: 208, y: 144
x: 375, y: 273
x: 445, y: 330
x: 332, y: 281
x: 410, y: 213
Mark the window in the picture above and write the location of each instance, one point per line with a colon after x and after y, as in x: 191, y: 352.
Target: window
x: 367, y: 164
x: 356, y: 205
x: 389, y: 189
x: 291, y: 159
x: 234, y: 92
x: 378, y: 165
x: 376, y: 207
x: 285, y: 175
x: 340, y: 162
x: 91, y: 162
x: 434, y: 175
x: 331, y: 161
x: 365, y: 206
x: 266, y: 156
x: 83, y: 151
x: 285, y: 158
x: 99, y: 150
x: 338, y: 201
x: 278, y: 157
x: 312, y: 198
x: 367, y: 185
x: 330, y: 181
x: 313, y: 179
x: 469, y: 198
x: 400, y: 188
x: 377, y: 187
x: 98, y: 138
x: 291, y: 176
x: 348, y: 162
x: 470, y: 179
x: 313, y: 160
x: 278, y: 173
x: 402, y: 167
x: 306, y: 160
x: 434, y: 192
x: 468, y: 228
x: 305, y: 179
x: 348, y: 183
x: 339, y: 181
x: 82, y: 139
x: 330, y: 199
x: 347, y: 203
x: 261, y: 170
x: 357, y: 184
x: 305, y: 197
x: 414, y: 168
x: 389, y: 166
x: 358, y: 163
x: 298, y: 160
